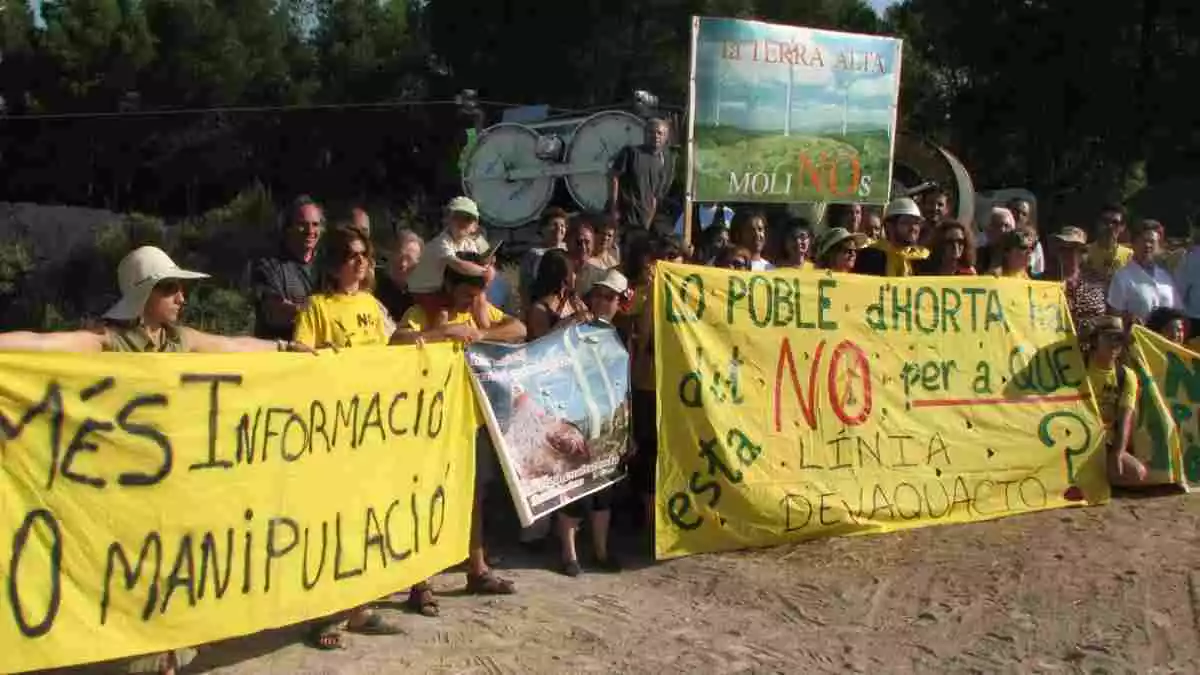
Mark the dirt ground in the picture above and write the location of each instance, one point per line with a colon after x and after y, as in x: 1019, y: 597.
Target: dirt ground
x: 1111, y: 589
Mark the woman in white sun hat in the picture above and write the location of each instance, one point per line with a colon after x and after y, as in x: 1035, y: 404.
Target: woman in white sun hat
x: 146, y: 319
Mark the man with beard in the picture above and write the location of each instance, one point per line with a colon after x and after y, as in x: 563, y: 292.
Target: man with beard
x: 894, y: 255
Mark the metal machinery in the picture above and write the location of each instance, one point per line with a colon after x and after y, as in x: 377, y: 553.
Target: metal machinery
x: 513, y: 169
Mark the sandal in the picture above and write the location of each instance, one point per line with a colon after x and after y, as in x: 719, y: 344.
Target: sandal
x: 489, y: 584
x: 375, y: 625
x: 325, y: 636
x: 422, y: 601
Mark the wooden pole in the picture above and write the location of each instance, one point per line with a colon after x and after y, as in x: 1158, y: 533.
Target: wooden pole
x: 690, y: 148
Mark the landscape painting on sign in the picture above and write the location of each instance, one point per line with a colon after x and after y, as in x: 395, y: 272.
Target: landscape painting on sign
x: 785, y: 114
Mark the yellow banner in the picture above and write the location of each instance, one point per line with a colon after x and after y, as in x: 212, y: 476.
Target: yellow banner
x: 153, y: 501
x: 1165, y: 436
x: 795, y: 405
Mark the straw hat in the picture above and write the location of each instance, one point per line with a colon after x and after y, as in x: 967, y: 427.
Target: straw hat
x: 1071, y: 235
x: 836, y: 235
x: 137, y: 276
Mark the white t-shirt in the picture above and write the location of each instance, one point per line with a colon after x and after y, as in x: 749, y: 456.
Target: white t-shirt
x: 1187, y: 282
x: 426, y: 277
x: 761, y: 265
x: 1139, y: 291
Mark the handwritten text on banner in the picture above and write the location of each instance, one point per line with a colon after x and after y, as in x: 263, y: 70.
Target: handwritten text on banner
x: 795, y: 405
x: 153, y: 501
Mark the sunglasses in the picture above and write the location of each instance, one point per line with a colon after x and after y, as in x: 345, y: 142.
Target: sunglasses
x: 956, y: 240
x: 355, y: 255
x: 739, y: 264
x: 168, y: 287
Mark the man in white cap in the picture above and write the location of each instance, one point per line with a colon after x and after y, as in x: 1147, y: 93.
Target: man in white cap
x: 145, y: 319
x: 894, y: 255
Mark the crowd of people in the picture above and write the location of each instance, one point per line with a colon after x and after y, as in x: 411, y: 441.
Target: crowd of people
x: 327, y: 287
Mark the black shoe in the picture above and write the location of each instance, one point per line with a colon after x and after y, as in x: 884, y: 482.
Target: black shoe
x: 571, y: 568
x: 609, y: 564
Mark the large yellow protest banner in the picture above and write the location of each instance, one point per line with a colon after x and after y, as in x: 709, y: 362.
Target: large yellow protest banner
x: 796, y: 404
x: 153, y: 501
x: 1166, y: 435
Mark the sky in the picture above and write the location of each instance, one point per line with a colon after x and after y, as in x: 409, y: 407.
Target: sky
x: 881, y: 5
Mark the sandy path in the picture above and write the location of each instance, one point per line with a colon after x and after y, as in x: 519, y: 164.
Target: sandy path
x: 1108, y: 589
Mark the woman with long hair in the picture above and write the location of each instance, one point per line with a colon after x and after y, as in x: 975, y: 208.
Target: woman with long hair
x: 553, y: 295
x: 952, y: 251
x: 750, y: 232
x: 344, y: 313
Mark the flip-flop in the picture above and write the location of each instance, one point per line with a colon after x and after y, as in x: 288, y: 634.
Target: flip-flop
x: 375, y: 625
x: 489, y: 584
x: 422, y: 601
x: 326, y: 637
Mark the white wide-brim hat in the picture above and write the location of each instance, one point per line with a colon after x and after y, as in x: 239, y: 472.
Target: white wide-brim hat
x: 138, y: 274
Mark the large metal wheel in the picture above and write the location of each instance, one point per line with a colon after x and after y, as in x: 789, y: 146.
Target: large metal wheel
x: 596, y: 141
x: 505, y: 200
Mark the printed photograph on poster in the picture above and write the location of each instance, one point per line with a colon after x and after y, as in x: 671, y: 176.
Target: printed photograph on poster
x: 788, y: 114
x: 558, y: 412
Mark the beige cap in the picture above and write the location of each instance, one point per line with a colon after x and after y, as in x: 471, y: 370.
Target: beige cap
x: 611, y: 279
x: 464, y: 205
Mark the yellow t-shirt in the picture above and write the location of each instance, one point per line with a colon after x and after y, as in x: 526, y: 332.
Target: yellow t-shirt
x: 1103, y: 382
x: 1106, y: 261
x: 341, y: 320
x: 642, y: 358
x: 900, y: 259
x: 415, y: 318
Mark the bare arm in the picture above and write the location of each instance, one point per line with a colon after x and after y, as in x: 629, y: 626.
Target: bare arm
x: 200, y: 341
x: 510, y: 330
x: 539, y: 322
x: 71, y: 341
x: 466, y: 267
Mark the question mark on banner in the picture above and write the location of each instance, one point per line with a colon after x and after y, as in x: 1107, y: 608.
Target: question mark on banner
x: 1070, y: 451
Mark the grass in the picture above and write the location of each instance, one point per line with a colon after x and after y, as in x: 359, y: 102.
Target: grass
x: 721, y: 151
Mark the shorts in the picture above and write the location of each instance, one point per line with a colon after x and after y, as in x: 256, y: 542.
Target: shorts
x: 644, y: 465
x: 597, y: 501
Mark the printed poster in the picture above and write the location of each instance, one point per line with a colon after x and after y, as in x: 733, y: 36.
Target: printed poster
x: 558, y: 412
x: 786, y: 114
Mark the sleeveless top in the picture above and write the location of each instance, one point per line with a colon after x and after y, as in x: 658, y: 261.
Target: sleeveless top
x: 132, y: 337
